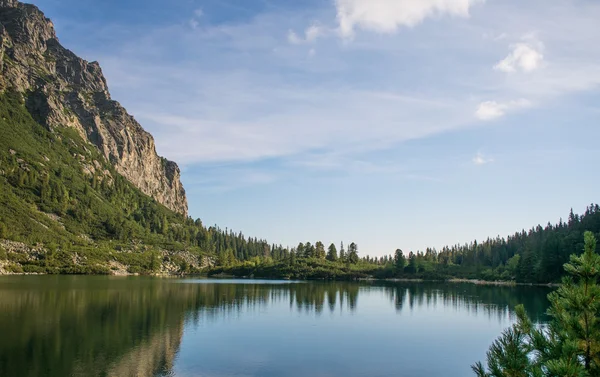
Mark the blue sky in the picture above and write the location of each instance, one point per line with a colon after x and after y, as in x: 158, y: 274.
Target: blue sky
x: 390, y: 123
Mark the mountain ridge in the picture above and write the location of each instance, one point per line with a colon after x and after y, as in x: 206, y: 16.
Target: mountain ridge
x: 61, y: 89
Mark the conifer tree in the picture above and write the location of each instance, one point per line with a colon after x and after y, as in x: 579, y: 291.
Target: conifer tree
x: 3, y: 230
x: 353, y: 253
x: 399, y: 261
x: 570, y: 345
x: 332, y: 254
x: 320, y: 250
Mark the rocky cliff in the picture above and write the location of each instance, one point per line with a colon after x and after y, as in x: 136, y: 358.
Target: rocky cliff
x: 61, y: 89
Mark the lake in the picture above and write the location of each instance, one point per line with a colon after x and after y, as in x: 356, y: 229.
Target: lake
x: 63, y: 326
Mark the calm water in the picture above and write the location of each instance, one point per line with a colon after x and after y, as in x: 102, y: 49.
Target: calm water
x: 100, y: 326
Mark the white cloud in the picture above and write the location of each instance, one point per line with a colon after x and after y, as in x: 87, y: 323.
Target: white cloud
x: 524, y: 57
x: 490, y: 110
x: 313, y: 32
x: 194, y: 23
x: 480, y: 159
x: 293, y: 38
x: 386, y: 16
x: 310, y: 35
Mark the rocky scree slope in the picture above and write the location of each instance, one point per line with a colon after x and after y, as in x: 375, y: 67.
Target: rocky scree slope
x: 61, y: 89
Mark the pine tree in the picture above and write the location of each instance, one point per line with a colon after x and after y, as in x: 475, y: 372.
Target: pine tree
x: 154, y: 262
x: 399, y: 261
x: 309, y: 250
x: 412, y: 262
x: 570, y: 345
x: 353, y: 253
x: 164, y: 226
x: 576, y: 304
x: 3, y: 230
x: 332, y: 253
x: 342, y: 252
x: 320, y: 250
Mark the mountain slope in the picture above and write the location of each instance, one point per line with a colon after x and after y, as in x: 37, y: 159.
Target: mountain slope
x: 60, y: 89
x: 65, y: 209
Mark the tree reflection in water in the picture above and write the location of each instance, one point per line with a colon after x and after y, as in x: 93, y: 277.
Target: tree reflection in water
x: 101, y: 326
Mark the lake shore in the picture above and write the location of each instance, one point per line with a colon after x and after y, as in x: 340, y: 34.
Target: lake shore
x: 469, y: 281
x: 498, y: 283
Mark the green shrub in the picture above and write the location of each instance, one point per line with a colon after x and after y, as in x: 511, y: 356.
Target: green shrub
x: 14, y: 268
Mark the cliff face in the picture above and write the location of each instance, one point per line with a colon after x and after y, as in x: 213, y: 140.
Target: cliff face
x: 63, y: 89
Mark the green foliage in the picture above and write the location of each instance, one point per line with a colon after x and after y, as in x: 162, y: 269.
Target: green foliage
x: 332, y: 254
x: 507, y: 357
x: 513, y: 264
x: 319, y: 250
x: 301, y: 268
x: 399, y: 261
x: 3, y: 230
x: 570, y: 345
x: 353, y: 253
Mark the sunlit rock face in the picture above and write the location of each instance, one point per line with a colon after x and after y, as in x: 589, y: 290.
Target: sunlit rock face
x: 60, y: 88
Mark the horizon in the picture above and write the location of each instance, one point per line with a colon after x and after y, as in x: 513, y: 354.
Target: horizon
x: 398, y: 130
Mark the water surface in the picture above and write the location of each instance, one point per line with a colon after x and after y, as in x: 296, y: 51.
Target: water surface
x: 59, y: 326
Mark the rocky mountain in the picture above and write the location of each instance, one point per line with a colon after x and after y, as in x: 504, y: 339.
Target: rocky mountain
x: 61, y: 89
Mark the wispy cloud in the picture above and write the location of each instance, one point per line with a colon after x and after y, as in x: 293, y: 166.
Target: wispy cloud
x: 227, y: 178
x: 490, y: 110
x: 480, y: 159
x: 310, y: 35
x: 194, y: 22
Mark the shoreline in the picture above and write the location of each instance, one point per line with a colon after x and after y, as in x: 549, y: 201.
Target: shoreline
x: 498, y: 283
x: 502, y: 283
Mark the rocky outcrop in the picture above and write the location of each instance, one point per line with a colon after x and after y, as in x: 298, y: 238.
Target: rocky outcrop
x: 61, y: 89
x: 16, y: 256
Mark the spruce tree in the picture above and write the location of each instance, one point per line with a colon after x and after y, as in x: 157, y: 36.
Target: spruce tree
x: 570, y: 345
x: 320, y: 250
x: 3, y: 230
x: 332, y: 253
x: 342, y: 253
x: 399, y: 261
x: 353, y: 253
